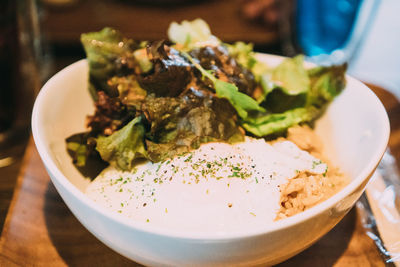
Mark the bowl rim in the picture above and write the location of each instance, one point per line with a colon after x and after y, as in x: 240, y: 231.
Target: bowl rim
x: 56, y: 173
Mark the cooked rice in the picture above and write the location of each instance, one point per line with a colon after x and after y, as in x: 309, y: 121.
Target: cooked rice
x: 307, y: 189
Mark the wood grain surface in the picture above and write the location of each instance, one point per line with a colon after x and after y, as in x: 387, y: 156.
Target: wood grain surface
x: 143, y: 21
x: 39, y: 229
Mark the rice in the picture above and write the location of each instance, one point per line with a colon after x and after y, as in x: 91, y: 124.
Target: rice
x: 305, y: 190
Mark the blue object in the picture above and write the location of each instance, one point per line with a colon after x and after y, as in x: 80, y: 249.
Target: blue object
x: 323, y: 26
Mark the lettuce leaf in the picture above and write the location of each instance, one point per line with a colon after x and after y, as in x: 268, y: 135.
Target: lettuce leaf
x: 180, y: 124
x: 243, y: 103
x: 171, y: 72
x: 245, y: 56
x: 224, y: 66
x: 277, y: 123
x: 289, y: 107
x: 278, y: 101
x: 123, y: 147
x: 243, y: 53
x: 326, y: 84
x: 81, y: 147
x: 291, y: 76
x: 108, y: 54
x: 240, y: 101
x: 191, y: 34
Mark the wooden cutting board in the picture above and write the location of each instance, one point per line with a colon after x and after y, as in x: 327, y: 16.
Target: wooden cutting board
x: 41, y: 231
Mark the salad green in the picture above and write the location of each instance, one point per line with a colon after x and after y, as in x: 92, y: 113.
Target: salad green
x: 154, y: 100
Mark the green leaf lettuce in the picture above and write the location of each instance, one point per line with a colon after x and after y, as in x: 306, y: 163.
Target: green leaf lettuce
x: 124, y: 146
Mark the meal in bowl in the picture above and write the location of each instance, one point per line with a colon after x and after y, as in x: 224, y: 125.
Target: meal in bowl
x: 194, y: 128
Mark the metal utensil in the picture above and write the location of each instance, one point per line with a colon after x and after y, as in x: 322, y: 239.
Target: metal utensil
x: 390, y: 175
x: 388, y: 172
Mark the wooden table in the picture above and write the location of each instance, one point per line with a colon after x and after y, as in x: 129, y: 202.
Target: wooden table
x: 39, y: 230
x: 143, y: 20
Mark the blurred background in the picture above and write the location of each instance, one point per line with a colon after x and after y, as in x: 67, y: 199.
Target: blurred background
x: 40, y: 37
x: 374, y: 58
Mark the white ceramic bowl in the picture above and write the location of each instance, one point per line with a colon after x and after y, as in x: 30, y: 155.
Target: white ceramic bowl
x: 355, y: 129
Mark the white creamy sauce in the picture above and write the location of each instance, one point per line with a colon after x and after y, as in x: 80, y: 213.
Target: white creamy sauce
x: 215, y: 189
